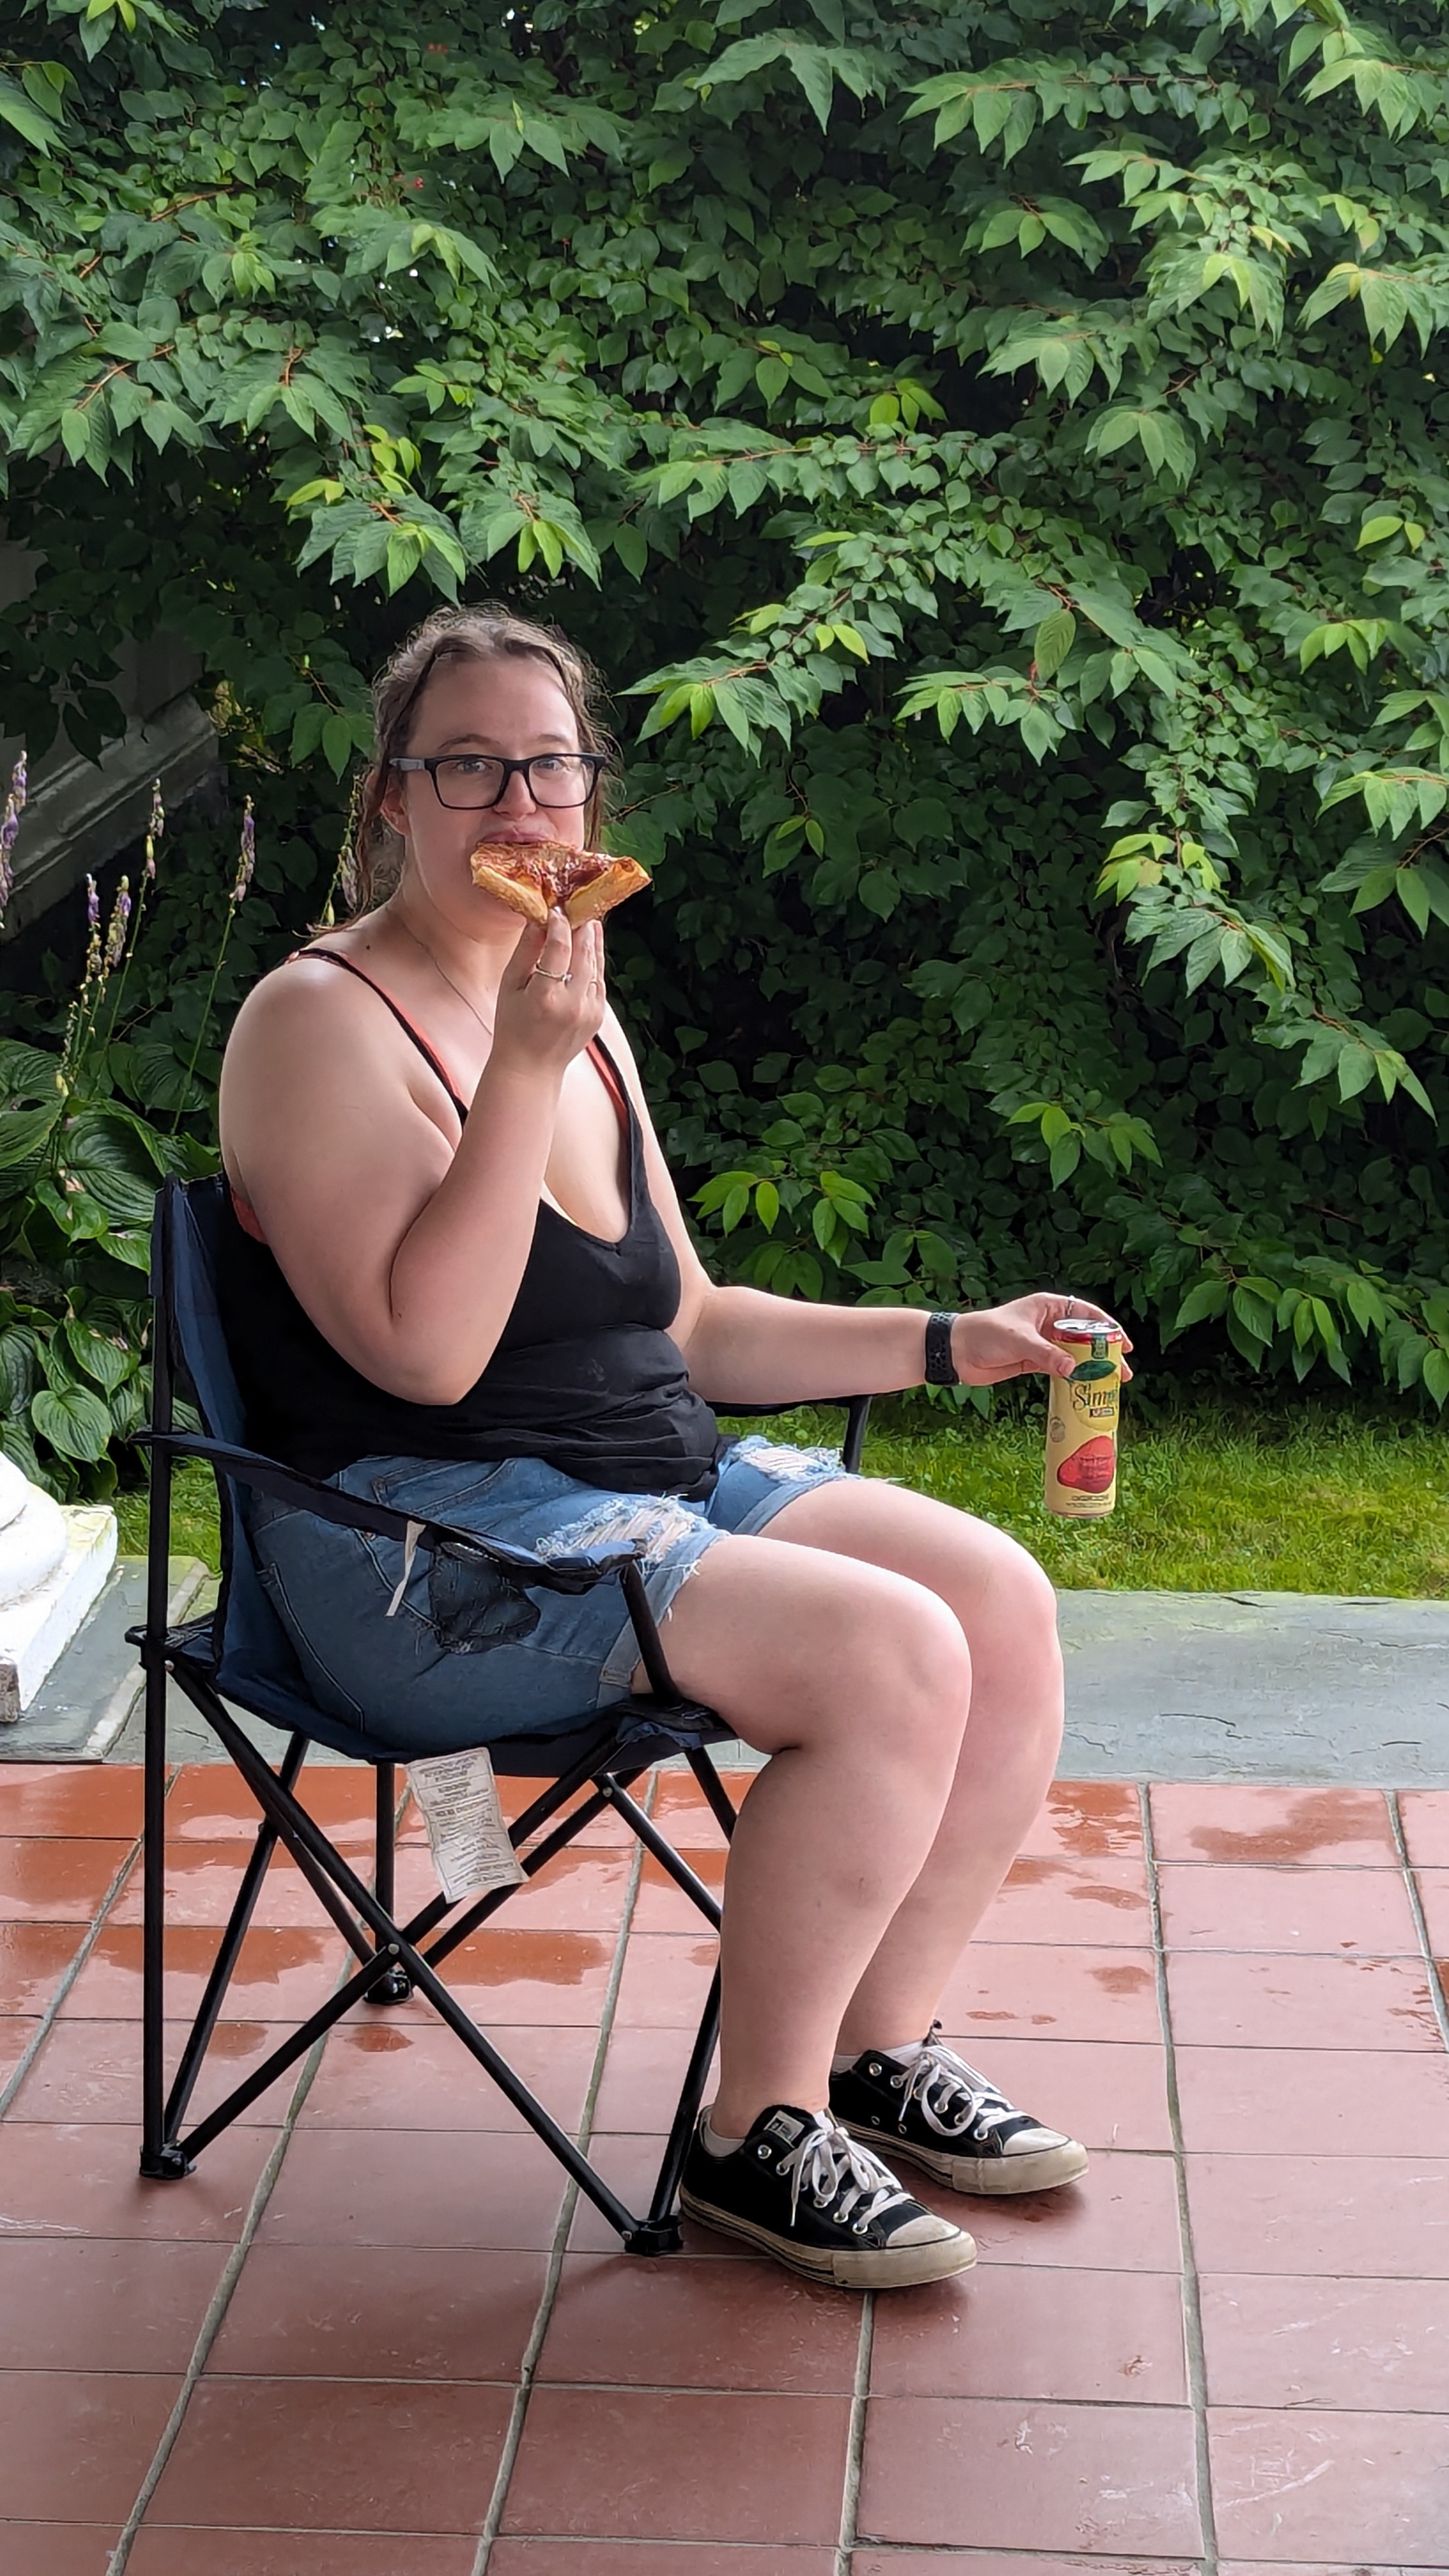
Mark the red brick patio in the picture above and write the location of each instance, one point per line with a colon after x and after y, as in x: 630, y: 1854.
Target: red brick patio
x: 358, y: 2342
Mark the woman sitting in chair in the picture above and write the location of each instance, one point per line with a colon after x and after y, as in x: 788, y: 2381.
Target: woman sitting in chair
x: 461, y: 1283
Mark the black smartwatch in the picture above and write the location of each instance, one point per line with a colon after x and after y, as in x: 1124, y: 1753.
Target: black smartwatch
x: 940, y: 1367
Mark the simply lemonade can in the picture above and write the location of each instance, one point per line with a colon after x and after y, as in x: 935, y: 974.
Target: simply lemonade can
x: 1081, y: 1445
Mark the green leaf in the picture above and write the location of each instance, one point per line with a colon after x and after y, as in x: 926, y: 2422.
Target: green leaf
x: 134, y: 1250
x: 19, y: 1349
x: 107, y: 1361
x: 75, y: 1422
x: 815, y: 67
x: 16, y: 1444
x: 25, y: 117
x: 28, y: 1073
x: 338, y: 744
x: 150, y: 1072
x: 1053, y: 642
x: 632, y: 548
x: 1365, y: 1304
x: 1413, y: 894
x: 1208, y: 1297
x: 105, y: 1157
x: 1326, y: 1323
x: 1254, y: 1314
x: 814, y: 70
x: 23, y: 1132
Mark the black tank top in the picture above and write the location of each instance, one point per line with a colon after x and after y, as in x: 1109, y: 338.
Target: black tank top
x: 585, y: 1375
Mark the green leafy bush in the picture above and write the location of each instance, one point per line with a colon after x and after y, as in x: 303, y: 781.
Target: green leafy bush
x: 87, y: 1131
x: 999, y: 454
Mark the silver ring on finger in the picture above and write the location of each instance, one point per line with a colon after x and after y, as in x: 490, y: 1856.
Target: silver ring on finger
x: 549, y: 974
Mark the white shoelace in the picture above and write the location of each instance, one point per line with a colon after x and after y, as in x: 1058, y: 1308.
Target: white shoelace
x: 829, y: 2165
x: 951, y: 2095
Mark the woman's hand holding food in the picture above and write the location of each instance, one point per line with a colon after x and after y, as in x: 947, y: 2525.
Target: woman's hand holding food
x: 552, y: 997
x: 1016, y: 1340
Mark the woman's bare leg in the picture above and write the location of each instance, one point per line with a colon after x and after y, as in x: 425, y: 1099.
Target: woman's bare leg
x: 857, y: 1681
x: 1007, y: 1612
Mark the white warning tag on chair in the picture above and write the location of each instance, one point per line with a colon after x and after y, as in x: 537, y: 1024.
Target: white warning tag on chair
x: 457, y: 1798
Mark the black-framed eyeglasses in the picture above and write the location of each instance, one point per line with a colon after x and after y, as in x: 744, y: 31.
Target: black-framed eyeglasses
x: 469, y: 782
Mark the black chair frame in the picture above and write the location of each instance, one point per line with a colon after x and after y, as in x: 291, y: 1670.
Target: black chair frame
x: 597, y: 1764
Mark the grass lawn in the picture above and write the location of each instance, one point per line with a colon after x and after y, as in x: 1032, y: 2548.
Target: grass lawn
x: 193, y: 1517
x: 1309, y: 1501
x: 1316, y: 1503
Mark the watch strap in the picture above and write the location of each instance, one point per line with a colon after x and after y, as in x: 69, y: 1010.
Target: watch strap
x: 940, y: 1367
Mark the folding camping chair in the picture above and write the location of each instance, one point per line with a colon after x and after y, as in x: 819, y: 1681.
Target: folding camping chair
x: 242, y: 1654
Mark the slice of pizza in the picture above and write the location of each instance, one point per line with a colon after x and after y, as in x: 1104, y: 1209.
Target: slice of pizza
x: 532, y: 876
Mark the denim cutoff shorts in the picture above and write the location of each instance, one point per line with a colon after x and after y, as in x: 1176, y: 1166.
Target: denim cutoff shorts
x: 466, y: 1656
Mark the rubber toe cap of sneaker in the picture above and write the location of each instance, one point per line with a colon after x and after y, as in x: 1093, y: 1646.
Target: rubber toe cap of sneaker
x: 929, y: 2229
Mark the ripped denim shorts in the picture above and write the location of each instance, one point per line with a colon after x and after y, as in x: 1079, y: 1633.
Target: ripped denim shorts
x: 466, y: 1656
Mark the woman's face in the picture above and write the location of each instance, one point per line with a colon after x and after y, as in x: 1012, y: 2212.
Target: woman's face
x: 511, y: 707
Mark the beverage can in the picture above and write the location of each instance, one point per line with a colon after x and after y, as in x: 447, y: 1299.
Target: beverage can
x: 1081, y: 1443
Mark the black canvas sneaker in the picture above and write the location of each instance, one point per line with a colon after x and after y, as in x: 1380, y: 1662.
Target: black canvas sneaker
x: 938, y: 2113
x: 800, y: 2189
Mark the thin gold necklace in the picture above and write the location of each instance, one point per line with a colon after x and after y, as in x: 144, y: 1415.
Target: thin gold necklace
x: 483, y: 1024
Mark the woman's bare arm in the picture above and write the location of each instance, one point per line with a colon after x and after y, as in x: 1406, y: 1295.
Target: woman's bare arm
x: 406, y: 1254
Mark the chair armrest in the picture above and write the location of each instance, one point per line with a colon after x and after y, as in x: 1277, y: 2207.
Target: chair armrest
x: 793, y: 1404
x: 379, y: 1520
x: 855, y: 1407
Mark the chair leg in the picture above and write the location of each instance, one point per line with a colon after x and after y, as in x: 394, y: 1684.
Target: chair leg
x: 229, y: 1950
x: 857, y: 1415
x: 663, y: 1851
x: 207, y: 1705
x: 394, y: 1985
x: 720, y: 1804
x: 159, y: 2162
x: 659, y: 2233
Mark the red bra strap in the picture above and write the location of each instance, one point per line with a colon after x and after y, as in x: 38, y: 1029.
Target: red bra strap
x: 334, y: 957
x: 612, y: 1080
x: 246, y: 1216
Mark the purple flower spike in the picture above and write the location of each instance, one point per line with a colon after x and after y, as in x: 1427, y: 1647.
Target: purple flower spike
x: 247, y: 857
x: 93, y: 904
x: 10, y: 828
x: 116, y: 935
x: 154, y: 829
